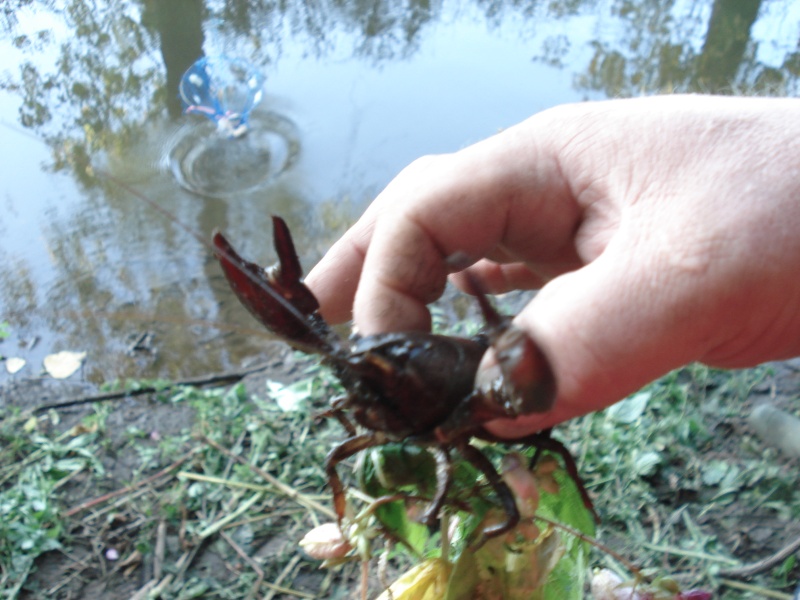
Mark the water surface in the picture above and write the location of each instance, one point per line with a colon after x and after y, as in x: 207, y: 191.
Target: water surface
x: 355, y: 89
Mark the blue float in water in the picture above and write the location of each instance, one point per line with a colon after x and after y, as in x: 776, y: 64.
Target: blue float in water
x: 225, y: 90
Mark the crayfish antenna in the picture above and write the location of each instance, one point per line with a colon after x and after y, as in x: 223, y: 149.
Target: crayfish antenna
x: 277, y: 297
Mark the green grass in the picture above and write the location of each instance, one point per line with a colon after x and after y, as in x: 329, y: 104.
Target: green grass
x: 659, y: 463
x: 53, y: 486
x: 663, y: 481
x: 34, y: 463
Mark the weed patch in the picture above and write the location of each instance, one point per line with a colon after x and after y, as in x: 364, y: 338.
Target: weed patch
x: 206, y: 493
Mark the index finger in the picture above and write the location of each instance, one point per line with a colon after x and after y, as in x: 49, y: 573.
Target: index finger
x: 505, y: 193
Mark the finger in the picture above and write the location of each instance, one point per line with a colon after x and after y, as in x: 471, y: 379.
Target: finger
x: 334, y: 279
x: 607, y: 329
x: 498, y: 279
x: 505, y: 195
x: 461, y: 203
x: 501, y: 278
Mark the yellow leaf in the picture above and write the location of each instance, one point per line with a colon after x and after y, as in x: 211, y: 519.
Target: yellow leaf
x: 30, y: 425
x: 426, y: 581
x: 82, y: 428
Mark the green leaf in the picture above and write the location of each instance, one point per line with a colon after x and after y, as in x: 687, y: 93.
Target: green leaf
x: 714, y: 472
x: 290, y: 397
x: 567, y: 505
x: 629, y: 410
x: 394, y: 468
x: 645, y: 463
x: 567, y: 580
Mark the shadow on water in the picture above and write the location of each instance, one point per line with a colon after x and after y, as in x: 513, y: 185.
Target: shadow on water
x: 363, y: 87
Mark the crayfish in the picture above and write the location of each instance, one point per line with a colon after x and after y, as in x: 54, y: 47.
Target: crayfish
x: 414, y: 387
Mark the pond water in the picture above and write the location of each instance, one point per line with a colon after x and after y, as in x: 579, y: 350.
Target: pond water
x: 354, y: 91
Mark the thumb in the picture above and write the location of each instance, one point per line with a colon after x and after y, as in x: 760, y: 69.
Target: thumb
x: 607, y: 329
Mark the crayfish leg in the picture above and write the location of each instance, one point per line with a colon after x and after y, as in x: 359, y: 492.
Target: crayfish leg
x: 343, y: 451
x: 444, y: 477
x: 477, y: 459
x: 544, y: 441
x: 336, y: 411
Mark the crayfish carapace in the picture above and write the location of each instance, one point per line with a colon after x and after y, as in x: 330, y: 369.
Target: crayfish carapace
x: 417, y: 387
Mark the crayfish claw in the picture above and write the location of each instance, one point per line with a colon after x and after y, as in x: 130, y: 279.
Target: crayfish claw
x: 289, y: 272
x: 523, y: 382
x: 277, y: 297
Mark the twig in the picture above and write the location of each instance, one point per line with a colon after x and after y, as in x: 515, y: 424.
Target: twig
x: 276, y: 586
x: 213, y: 379
x: 596, y: 543
x: 365, y: 580
x: 125, y: 499
x: 186, y: 560
x: 144, y: 591
x: 763, y: 564
x: 127, y: 490
x: 219, y: 524
x: 273, y: 514
x: 161, y: 545
x: 383, y: 567
x: 287, y: 490
x: 689, y: 553
x: 755, y: 589
x: 231, y: 483
x: 253, y: 564
x: 260, y: 572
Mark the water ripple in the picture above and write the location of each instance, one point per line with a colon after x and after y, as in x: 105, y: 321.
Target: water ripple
x: 210, y: 164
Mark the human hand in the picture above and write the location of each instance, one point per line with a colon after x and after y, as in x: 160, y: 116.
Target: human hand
x: 660, y: 230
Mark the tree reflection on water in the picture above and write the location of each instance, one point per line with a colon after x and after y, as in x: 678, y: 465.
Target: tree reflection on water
x: 97, y: 82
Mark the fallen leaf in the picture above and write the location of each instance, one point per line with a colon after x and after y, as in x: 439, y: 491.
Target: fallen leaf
x: 426, y: 581
x: 289, y: 397
x: 629, y: 410
x: 14, y: 364
x: 63, y: 364
x: 82, y: 428
x: 325, y: 542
